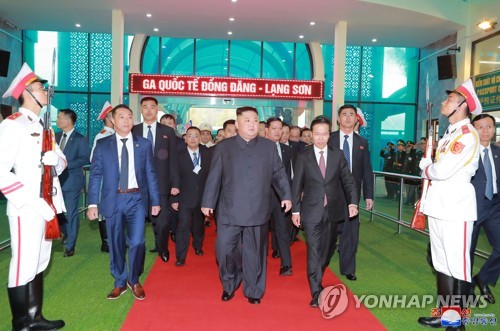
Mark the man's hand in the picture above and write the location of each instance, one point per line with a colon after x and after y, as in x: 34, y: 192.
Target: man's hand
x: 175, y: 206
x: 296, y: 220
x: 92, y: 213
x: 353, y: 211
x: 174, y: 191
x: 207, y: 211
x: 155, y: 210
x: 50, y: 158
x: 369, y: 204
x: 424, y: 163
x: 287, y: 204
x: 42, y: 208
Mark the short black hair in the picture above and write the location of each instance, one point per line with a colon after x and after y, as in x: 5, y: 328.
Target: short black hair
x: 484, y: 115
x: 122, y: 105
x: 168, y: 116
x: 346, y: 106
x: 284, y: 124
x: 70, y: 113
x: 241, y: 110
x: 228, y: 122
x: 149, y: 99
x: 272, y: 119
x: 321, y: 120
x: 194, y: 128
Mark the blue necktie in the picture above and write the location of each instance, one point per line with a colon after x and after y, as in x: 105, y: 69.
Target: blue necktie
x: 489, y: 175
x: 345, y: 148
x: 124, y: 166
x: 150, y: 138
x: 195, y: 159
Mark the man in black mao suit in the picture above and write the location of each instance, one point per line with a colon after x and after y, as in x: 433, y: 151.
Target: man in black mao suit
x: 164, y: 143
x: 361, y: 169
x: 488, y: 205
x: 194, y: 164
x: 321, y: 173
x: 280, y: 221
x: 243, y: 173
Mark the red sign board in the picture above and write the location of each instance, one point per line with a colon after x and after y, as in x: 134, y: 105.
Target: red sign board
x: 226, y: 87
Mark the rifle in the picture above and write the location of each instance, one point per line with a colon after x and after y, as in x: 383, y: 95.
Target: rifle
x: 52, y: 230
x: 418, y: 219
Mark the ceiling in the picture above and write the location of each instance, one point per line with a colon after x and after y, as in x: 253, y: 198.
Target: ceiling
x: 268, y: 20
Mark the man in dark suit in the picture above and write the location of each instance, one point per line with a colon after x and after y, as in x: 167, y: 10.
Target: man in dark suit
x: 75, y: 147
x: 163, y: 140
x: 280, y: 221
x: 357, y: 154
x: 389, y: 155
x: 243, y: 172
x: 488, y: 204
x: 124, y: 184
x: 321, y: 174
x: 194, y: 164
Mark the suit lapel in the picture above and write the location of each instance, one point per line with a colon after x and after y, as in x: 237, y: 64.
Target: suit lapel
x: 330, y: 163
x: 137, y: 155
x: 113, y: 146
x: 312, y: 158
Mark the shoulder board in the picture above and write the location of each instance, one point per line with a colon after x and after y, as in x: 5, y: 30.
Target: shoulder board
x: 103, y: 131
x: 14, y: 116
x: 465, y: 129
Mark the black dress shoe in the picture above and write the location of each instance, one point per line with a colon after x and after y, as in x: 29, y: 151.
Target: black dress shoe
x: 276, y: 254
x: 69, y: 252
x: 165, y: 256
x: 227, y: 296
x: 254, y: 301
x: 153, y: 250
x: 172, y: 236
x: 40, y: 323
x: 198, y: 252
x: 64, y: 239
x: 433, y: 322
x: 351, y: 276
x: 105, y: 247
x: 286, y: 270
x: 180, y: 263
x: 485, y: 290
x: 315, y: 300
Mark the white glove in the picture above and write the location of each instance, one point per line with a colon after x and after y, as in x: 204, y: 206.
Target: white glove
x: 42, y: 208
x: 50, y: 158
x: 424, y: 162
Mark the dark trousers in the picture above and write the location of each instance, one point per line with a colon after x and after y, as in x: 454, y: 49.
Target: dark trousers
x: 72, y: 224
x: 126, y: 228
x: 190, y: 220
x: 280, y: 227
x: 348, y: 245
x: 161, y: 225
x: 489, y: 220
x: 241, y: 254
x: 321, y: 237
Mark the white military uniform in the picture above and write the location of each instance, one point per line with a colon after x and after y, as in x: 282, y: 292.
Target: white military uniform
x: 106, y: 131
x: 450, y: 203
x: 20, y: 180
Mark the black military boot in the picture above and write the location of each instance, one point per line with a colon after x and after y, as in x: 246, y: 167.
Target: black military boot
x: 462, y: 289
x: 35, y: 302
x: 18, y: 298
x: 104, y: 236
x: 445, y: 285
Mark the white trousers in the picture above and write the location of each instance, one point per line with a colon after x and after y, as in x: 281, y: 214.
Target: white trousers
x: 30, y: 250
x: 450, y: 246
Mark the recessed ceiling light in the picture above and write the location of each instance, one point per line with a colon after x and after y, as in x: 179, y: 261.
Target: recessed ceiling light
x: 155, y: 29
x: 301, y: 37
x: 312, y: 23
x: 231, y: 19
x: 283, y: 60
x: 168, y: 57
x: 289, y: 51
x: 374, y: 40
x: 234, y: 0
x: 229, y: 33
x: 77, y: 25
x: 149, y: 15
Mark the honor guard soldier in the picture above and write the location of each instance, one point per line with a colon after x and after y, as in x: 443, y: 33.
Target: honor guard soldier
x: 20, y: 181
x: 389, y: 156
x: 450, y: 202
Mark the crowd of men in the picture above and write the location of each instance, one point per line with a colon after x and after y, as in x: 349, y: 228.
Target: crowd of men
x: 255, y: 177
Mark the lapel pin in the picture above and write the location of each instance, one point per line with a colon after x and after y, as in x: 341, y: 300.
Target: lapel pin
x: 34, y: 134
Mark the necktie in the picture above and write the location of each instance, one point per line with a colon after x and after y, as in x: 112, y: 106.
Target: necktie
x: 195, y: 159
x: 63, y: 142
x: 489, y: 175
x: 279, y: 150
x: 345, y: 148
x: 124, y: 166
x: 322, y: 167
x: 150, y: 138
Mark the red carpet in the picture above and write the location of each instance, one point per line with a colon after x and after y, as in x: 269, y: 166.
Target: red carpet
x: 188, y: 298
